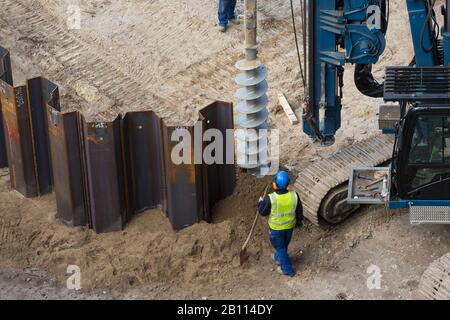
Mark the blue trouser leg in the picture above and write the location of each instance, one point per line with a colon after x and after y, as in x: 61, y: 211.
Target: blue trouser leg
x: 230, y: 10
x: 280, y: 240
x: 226, y: 11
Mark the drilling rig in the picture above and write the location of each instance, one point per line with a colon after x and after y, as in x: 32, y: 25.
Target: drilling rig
x: 414, y: 147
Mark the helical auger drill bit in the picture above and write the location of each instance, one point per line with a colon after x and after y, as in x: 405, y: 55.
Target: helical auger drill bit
x: 252, y: 136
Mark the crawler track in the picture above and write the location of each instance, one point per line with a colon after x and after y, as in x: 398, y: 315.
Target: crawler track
x: 435, y: 282
x: 323, y: 185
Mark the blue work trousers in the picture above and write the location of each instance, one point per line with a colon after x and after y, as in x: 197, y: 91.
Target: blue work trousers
x: 226, y: 11
x: 280, y: 240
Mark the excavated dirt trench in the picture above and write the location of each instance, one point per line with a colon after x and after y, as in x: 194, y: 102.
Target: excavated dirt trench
x: 167, y: 56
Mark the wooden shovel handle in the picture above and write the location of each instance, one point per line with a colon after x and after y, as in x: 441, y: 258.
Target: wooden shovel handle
x: 254, y: 223
x: 251, y: 231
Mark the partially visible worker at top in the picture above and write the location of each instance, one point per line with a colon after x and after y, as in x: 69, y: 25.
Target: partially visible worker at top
x: 227, y: 14
x: 284, y: 209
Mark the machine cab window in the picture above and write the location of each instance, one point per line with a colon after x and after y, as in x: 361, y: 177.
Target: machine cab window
x: 428, y: 162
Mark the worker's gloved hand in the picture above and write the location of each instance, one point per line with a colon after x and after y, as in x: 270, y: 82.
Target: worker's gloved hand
x: 260, y: 199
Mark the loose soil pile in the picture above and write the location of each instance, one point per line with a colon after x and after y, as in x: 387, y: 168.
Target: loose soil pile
x: 148, y: 251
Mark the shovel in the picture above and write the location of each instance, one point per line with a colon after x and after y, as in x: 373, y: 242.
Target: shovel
x: 243, y: 255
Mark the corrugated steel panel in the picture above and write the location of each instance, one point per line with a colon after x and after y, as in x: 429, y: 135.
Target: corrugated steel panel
x: 105, y: 175
x: 39, y: 94
x: 26, y: 133
x: 5, y: 75
x: 19, y: 143
x: 183, y: 182
x: 67, y: 164
x: 219, y: 179
x: 143, y: 155
x: 5, y: 66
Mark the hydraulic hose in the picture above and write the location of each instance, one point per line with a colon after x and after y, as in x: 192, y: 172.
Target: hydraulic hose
x: 366, y: 83
x: 364, y: 80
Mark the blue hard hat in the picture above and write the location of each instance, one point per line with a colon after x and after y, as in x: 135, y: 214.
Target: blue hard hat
x: 282, y: 179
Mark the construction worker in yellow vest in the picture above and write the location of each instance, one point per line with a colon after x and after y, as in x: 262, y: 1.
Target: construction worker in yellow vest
x: 284, y: 209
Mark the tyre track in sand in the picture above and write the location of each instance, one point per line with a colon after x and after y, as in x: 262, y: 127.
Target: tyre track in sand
x: 81, y: 60
x: 179, y: 55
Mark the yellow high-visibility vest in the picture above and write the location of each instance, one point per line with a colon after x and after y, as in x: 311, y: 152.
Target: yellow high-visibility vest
x: 282, y: 212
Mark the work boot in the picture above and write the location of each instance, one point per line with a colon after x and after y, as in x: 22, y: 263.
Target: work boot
x: 222, y: 28
x: 234, y: 21
x: 280, y: 271
x: 275, y: 259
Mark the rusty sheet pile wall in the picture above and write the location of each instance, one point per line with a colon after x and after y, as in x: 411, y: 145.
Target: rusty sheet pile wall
x: 6, y: 76
x: 105, y: 172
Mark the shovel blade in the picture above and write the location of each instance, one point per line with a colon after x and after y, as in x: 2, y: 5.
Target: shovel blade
x: 243, y: 256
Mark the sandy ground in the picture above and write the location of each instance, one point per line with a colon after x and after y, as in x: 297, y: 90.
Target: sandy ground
x: 148, y: 260
x: 34, y: 284
x: 168, y: 56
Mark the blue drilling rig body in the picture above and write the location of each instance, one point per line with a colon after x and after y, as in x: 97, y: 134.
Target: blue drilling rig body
x: 342, y: 32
